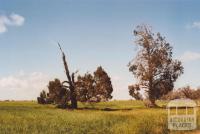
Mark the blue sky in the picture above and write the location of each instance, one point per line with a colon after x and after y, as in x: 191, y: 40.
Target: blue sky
x: 92, y: 33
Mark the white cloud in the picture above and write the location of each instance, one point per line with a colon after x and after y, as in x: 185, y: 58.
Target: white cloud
x: 22, y: 86
x: 195, y: 24
x: 11, y: 20
x: 190, y: 56
x: 3, y: 20
x: 16, y: 20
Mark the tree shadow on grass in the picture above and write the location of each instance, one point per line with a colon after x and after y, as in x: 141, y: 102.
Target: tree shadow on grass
x: 105, y: 109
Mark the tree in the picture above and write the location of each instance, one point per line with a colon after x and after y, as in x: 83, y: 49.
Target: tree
x: 103, y: 85
x: 183, y: 92
x: 58, y: 94
x: 85, y: 87
x: 42, y: 98
x: 70, y: 81
x: 190, y: 93
x: 153, y: 65
x: 94, y: 88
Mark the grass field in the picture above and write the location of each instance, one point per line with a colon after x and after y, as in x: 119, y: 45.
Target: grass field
x: 115, y: 117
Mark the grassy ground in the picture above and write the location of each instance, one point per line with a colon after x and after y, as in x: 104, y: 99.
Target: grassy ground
x: 115, y: 117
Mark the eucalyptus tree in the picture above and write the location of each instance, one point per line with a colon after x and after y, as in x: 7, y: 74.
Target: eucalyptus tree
x: 153, y: 66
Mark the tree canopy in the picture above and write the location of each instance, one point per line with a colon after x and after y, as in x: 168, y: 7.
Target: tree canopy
x: 88, y: 88
x: 153, y: 66
x: 94, y: 88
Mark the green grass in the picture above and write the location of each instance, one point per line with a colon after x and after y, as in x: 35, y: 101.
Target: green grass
x: 115, y: 117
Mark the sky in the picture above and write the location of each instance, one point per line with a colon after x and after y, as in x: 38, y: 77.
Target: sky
x: 92, y: 33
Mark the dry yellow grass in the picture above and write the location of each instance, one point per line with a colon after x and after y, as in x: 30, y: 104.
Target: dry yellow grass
x: 115, y: 117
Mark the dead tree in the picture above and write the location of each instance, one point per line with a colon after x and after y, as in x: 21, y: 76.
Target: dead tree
x: 70, y: 81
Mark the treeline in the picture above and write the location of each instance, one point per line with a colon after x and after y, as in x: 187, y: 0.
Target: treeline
x: 184, y: 92
x: 180, y: 93
x: 153, y: 67
x: 89, y: 88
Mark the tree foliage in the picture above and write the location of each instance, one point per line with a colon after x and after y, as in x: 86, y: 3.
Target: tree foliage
x: 103, y: 84
x: 184, y: 92
x: 42, y: 98
x: 88, y: 88
x: 94, y: 88
x: 85, y: 88
x: 153, y: 66
x: 57, y: 94
x: 134, y: 91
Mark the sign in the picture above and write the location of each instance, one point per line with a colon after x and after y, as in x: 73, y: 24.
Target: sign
x: 185, y: 120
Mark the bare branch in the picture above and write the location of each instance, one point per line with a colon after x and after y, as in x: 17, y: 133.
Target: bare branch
x: 65, y: 82
x: 65, y: 65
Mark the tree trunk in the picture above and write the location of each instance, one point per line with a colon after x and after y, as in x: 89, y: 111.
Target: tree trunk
x: 73, y: 99
x: 152, y: 99
x: 73, y: 102
x: 151, y: 92
x: 152, y: 102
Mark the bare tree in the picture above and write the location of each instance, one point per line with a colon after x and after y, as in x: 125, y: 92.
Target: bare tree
x: 70, y: 81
